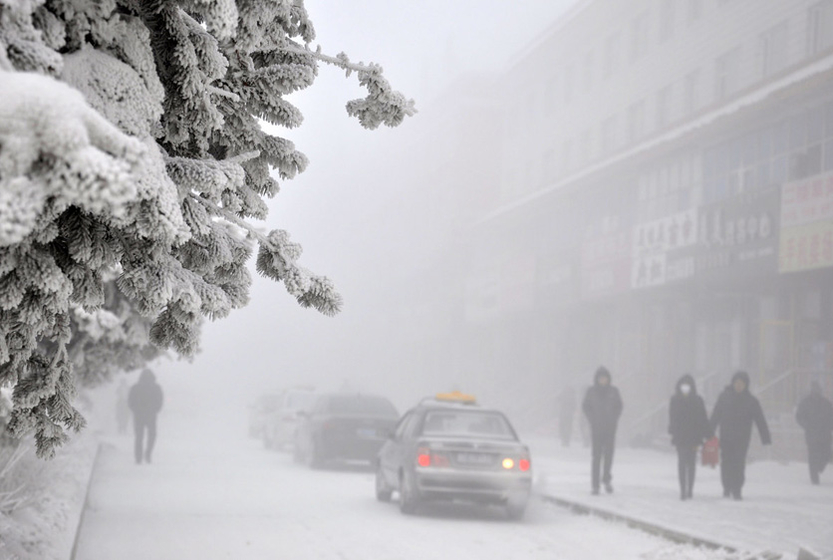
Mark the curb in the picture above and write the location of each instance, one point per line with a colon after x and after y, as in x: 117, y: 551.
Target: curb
x: 647, y: 526
x: 86, y: 503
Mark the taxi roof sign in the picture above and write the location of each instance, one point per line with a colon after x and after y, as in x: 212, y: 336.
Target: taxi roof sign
x: 456, y: 396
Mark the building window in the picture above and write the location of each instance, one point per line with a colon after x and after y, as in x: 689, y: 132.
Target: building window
x: 727, y: 73
x: 584, y: 148
x: 567, y: 157
x: 588, y: 70
x: 636, y: 121
x: 664, y: 107
x: 692, y: 91
x: 611, y: 55
x: 772, y: 46
x: 568, y: 84
x: 695, y: 10
x: 666, y: 20
x: 820, y: 21
x: 639, y: 35
x: 609, y: 135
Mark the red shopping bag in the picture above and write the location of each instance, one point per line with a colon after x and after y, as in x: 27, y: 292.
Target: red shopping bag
x: 710, y: 454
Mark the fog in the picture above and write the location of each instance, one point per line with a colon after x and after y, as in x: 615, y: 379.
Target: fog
x: 347, y: 212
x: 645, y: 186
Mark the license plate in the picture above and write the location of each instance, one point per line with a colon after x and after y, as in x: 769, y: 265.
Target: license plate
x: 474, y: 459
x: 369, y: 433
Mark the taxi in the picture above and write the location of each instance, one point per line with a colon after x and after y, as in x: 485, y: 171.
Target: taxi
x: 450, y: 448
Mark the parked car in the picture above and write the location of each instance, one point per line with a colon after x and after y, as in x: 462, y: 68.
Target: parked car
x: 341, y: 427
x: 282, y: 422
x: 259, y: 410
x: 449, y: 448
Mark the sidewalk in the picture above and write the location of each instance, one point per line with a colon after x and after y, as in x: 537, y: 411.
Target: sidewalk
x: 781, y: 511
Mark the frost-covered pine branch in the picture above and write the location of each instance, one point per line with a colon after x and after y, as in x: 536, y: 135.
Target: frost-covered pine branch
x: 132, y: 162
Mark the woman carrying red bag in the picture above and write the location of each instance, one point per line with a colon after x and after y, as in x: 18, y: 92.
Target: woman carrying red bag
x: 689, y: 428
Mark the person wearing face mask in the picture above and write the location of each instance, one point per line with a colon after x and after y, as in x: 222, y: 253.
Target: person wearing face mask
x: 602, y: 406
x: 734, y: 413
x: 688, y: 424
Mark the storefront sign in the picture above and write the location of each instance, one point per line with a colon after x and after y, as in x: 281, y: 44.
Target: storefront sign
x: 807, y: 201
x: 738, y: 234
x: 806, y: 225
x: 657, y: 246
x: 806, y: 247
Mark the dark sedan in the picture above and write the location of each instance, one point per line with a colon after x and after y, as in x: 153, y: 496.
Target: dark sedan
x: 344, y: 427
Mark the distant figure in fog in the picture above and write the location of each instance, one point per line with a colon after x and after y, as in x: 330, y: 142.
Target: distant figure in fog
x: 734, y: 412
x: 815, y: 415
x: 122, y: 410
x: 602, y: 406
x: 688, y: 424
x: 145, y: 401
x: 566, y: 414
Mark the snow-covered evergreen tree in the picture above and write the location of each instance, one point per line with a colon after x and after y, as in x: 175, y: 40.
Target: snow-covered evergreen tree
x: 131, y: 161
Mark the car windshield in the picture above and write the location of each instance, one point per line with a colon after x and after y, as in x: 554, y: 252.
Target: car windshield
x: 467, y: 423
x: 361, y: 404
x: 300, y: 400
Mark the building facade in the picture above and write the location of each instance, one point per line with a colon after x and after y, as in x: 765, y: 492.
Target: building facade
x: 664, y: 206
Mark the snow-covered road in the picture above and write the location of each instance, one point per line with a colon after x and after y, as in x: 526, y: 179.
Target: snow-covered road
x: 234, y: 500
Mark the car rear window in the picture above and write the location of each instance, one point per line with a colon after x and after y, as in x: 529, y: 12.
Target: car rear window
x: 361, y: 404
x: 467, y: 423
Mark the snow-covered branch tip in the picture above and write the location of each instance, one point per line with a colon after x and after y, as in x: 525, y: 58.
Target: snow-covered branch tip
x: 383, y: 105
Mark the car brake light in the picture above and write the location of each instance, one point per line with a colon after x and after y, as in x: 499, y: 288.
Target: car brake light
x: 424, y: 457
x: 524, y: 464
x: 508, y: 463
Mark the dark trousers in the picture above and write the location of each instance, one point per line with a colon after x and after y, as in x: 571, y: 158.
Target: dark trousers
x: 140, y: 426
x: 818, y: 455
x: 602, y: 451
x: 733, y: 467
x: 686, y: 468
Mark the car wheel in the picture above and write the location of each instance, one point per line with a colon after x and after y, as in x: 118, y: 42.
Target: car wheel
x: 313, y: 457
x: 515, y: 509
x: 408, y: 494
x: 383, y: 491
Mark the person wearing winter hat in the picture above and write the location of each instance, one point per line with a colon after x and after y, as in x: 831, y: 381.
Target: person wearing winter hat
x: 602, y: 406
x: 734, y: 413
x: 688, y: 424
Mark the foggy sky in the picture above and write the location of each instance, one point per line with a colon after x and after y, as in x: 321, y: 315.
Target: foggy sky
x: 336, y: 208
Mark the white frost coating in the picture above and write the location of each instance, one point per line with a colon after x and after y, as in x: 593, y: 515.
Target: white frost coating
x: 41, y: 116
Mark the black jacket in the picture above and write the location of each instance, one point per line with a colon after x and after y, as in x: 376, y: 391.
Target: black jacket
x: 688, y: 421
x: 602, y: 405
x: 815, y: 415
x: 734, y: 414
x: 145, y: 397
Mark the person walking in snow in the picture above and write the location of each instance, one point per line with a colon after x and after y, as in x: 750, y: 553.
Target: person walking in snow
x: 688, y: 424
x: 566, y: 413
x: 145, y: 401
x: 602, y: 406
x: 734, y: 413
x: 815, y: 415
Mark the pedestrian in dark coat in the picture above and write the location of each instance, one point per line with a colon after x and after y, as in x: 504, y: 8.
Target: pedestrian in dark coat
x: 688, y: 424
x: 145, y: 401
x: 815, y: 415
x: 602, y: 406
x: 734, y: 413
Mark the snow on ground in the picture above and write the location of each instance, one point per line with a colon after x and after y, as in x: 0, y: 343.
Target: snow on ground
x: 781, y: 511
x: 227, y: 497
